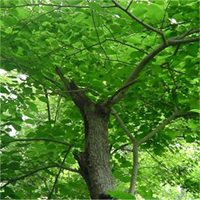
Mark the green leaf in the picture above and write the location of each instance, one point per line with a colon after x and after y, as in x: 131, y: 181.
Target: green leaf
x: 9, y: 191
x: 30, y: 121
x: 171, y: 134
x: 14, y: 165
x: 94, y: 6
x: 6, y: 139
x: 32, y: 106
x: 140, y: 9
x: 16, y: 157
x: 28, y: 90
x: 189, y: 139
x: 43, y: 99
x: 116, y: 28
x: 16, y: 127
x: 120, y: 195
x: 3, y: 89
x: 155, y: 13
x: 28, y: 114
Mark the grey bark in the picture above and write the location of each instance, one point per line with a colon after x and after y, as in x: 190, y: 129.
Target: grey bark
x: 94, y: 162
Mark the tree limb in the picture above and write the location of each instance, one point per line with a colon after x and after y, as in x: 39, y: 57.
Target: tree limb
x: 135, y: 73
x: 164, y: 123
x: 41, y: 139
x: 112, y: 99
x: 156, y: 130
x: 129, y: 45
x: 189, y: 32
x: 134, y: 169
x: 55, y: 5
x: 173, y: 42
x: 147, y: 26
x: 118, y: 118
x: 48, y: 105
x: 59, y: 172
x: 35, y: 171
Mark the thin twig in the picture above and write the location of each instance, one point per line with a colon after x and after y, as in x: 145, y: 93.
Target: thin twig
x: 27, y: 175
x: 141, y: 22
x: 131, y: 1
x: 35, y: 171
x: 129, y: 45
x: 48, y: 104
x: 165, y: 14
x: 59, y: 172
x: 57, y: 109
x: 119, y: 148
x: 56, y: 5
x: 40, y: 139
x: 94, y: 24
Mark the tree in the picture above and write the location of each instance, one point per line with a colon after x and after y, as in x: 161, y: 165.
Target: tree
x: 101, y: 67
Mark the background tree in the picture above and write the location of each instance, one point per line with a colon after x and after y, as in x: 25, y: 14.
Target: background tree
x: 86, y: 84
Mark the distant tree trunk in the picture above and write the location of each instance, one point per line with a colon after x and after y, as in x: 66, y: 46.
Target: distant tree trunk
x: 94, y: 162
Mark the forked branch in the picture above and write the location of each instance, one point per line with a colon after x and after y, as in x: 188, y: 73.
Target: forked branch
x: 135, y: 73
x: 112, y: 100
x: 72, y: 89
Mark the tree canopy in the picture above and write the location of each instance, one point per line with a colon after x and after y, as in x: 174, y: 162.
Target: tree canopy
x: 136, y: 61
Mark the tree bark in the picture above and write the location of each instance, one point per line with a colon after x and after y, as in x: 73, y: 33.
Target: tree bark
x: 94, y: 162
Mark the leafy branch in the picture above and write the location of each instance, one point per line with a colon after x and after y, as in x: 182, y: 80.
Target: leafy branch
x: 35, y: 171
x: 40, y: 139
x: 164, y: 123
x: 48, y: 104
x: 135, y: 151
x: 59, y: 172
x: 54, y: 5
x: 149, y: 27
x: 135, y: 73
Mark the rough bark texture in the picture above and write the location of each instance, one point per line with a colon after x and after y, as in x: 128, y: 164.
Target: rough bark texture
x: 95, y: 162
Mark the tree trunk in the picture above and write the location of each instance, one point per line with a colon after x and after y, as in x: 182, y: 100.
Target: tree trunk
x: 94, y: 162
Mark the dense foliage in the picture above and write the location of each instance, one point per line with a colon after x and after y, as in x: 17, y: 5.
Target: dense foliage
x: 98, y: 44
